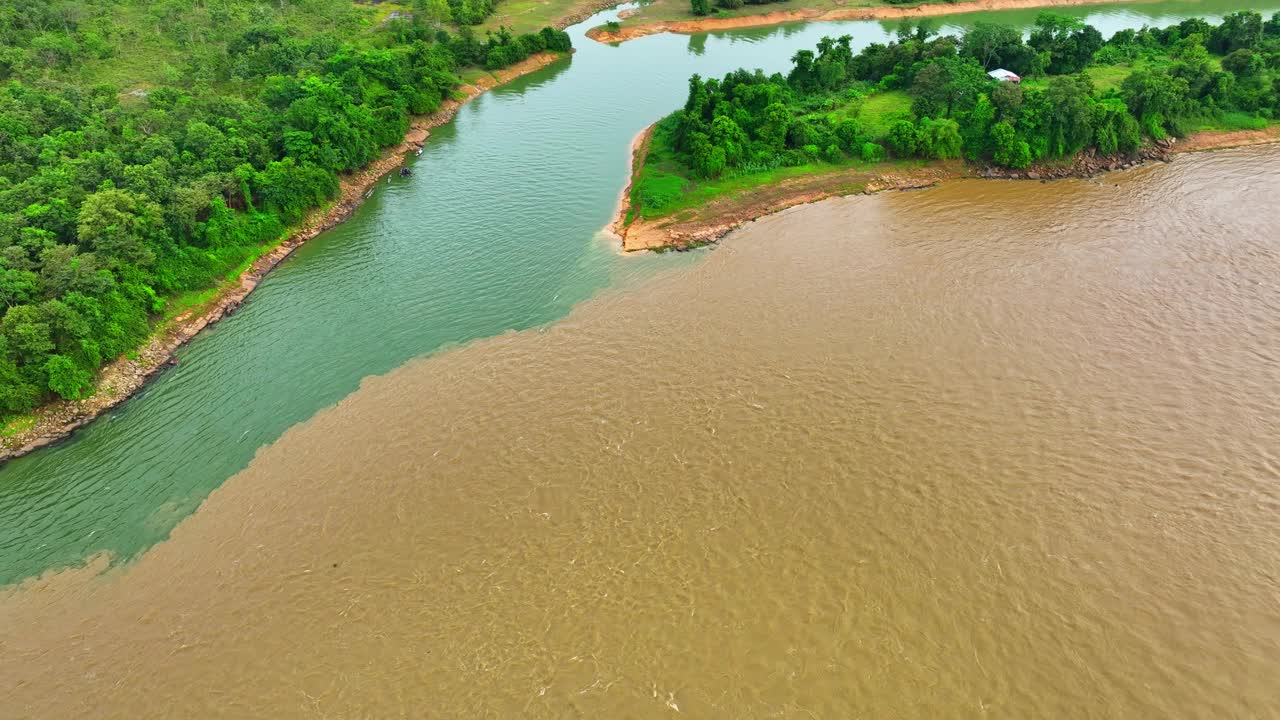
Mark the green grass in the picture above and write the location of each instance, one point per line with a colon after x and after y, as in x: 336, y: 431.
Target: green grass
x: 525, y: 16
x: 1230, y: 121
x: 1107, y: 77
x: 679, y: 10
x: 882, y: 109
x: 16, y: 425
x: 151, y: 49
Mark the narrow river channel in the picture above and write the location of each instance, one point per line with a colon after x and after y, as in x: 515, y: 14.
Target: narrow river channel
x: 497, y: 231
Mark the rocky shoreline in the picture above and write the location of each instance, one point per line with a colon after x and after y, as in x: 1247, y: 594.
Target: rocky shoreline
x: 668, y: 234
x: 119, y: 379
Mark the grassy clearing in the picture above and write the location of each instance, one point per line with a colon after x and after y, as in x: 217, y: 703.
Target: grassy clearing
x: 525, y: 16
x: 16, y: 425
x: 150, y: 56
x: 882, y: 109
x: 149, y: 53
x: 678, y: 10
x: 1231, y: 122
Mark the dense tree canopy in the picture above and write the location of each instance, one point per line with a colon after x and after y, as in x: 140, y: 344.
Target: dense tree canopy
x: 112, y: 200
x: 747, y: 121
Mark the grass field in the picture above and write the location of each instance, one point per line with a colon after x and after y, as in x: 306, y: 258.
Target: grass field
x: 156, y: 49
x: 524, y: 16
x: 678, y: 10
x: 882, y: 109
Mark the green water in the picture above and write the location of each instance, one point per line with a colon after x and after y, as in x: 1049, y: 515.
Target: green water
x: 497, y: 230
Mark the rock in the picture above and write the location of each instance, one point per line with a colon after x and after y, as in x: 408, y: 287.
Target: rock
x: 1033, y: 176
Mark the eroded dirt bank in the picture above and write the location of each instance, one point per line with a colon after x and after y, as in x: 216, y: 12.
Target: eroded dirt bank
x: 715, y: 219
x: 121, y: 378
x: 885, y: 12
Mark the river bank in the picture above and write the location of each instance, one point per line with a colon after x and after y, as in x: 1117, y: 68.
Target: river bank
x: 885, y: 12
x: 119, y: 379
x: 722, y: 215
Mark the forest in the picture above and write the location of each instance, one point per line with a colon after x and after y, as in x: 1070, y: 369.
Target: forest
x: 929, y: 96
x: 149, y: 149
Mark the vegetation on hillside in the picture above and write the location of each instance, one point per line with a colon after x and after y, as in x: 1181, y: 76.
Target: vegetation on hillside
x: 117, y: 196
x: 930, y: 97
x: 703, y: 7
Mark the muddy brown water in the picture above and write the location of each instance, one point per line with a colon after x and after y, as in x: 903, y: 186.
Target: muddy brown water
x: 995, y: 449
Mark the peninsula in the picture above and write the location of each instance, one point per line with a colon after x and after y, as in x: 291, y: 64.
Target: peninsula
x: 906, y: 114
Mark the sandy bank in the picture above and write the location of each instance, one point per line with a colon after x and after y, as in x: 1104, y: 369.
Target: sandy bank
x: 639, y: 151
x: 714, y: 220
x: 121, y: 378
x: 885, y: 12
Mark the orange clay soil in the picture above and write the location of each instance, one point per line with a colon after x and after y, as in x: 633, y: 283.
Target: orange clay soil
x: 123, y: 376
x: 885, y: 12
x: 710, y: 222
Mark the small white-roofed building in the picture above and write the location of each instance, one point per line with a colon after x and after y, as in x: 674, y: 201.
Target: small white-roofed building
x: 1005, y: 76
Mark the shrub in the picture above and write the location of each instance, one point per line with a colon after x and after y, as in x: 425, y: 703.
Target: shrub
x: 872, y: 152
x: 904, y: 139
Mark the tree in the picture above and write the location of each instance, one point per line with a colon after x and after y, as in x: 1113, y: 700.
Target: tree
x: 802, y: 76
x: 1243, y: 63
x: 1069, y: 120
x: 1069, y: 42
x: 940, y: 139
x: 947, y: 84
x: 1010, y: 151
x: 774, y: 129
x: 1238, y: 30
x: 120, y: 225
x: 700, y: 7
x: 726, y: 134
x: 430, y: 12
x: 997, y: 46
x: 903, y: 138
x: 1156, y: 99
x: 16, y: 286
x: 1007, y: 99
x: 66, y: 378
x: 872, y: 152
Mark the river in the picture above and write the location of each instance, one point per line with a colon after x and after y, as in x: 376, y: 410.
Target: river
x: 914, y: 454
x: 497, y: 230
x: 995, y: 449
